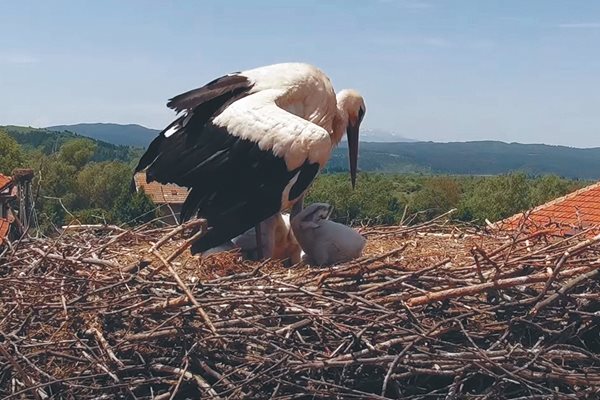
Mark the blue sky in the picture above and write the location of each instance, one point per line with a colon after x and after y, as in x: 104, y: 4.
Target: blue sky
x: 454, y: 70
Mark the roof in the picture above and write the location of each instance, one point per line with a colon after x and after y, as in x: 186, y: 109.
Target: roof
x: 159, y: 193
x: 574, y: 212
x: 4, y: 181
x: 4, y: 229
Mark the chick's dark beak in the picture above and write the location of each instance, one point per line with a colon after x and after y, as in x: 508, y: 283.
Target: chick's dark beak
x: 352, y: 135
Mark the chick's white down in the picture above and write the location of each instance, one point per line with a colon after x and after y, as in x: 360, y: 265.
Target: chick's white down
x: 325, y: 242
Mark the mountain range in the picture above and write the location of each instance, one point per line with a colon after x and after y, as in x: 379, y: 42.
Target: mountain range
x: 399, y: 156
x: 473, y: 158
x: 49, y: 142
x: 140, y: 136
x: 124, y: 135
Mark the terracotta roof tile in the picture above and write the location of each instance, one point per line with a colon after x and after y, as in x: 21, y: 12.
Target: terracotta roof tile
x: 158, y: 193
x: 4, y: 181
x: 4, y: 228
x: 580, y: 209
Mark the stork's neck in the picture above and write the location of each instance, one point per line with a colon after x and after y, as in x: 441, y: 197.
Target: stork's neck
x: 340, y: 123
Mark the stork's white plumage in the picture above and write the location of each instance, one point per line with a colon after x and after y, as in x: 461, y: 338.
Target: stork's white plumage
x: 249, y: 144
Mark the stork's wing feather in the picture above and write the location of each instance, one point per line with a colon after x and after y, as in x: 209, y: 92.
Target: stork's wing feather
x: 228, y: 84
x: 201, y: 104
x: 246, y: 162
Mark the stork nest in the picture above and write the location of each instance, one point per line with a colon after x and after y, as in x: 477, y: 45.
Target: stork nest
x: 430, y: 312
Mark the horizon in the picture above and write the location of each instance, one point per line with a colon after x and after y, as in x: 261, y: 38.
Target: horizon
x: 429, y: 70
x: 406, y: 139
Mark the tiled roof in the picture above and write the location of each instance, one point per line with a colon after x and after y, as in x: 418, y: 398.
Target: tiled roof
x: 573, y: 212
x: 4, y: 228
x: 158, y: 193
x: 4, y: 181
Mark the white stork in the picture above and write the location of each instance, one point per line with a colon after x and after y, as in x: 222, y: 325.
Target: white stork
x: 249, y: 144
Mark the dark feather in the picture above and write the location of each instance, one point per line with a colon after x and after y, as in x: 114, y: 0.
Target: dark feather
x: 227, y: 84
x: 234, y: 184
x: 209, y: 101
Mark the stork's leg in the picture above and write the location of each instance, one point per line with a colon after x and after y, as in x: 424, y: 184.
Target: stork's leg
x: 268, y: 236
x: 297, y: 207
x: 265, y: 237
x: 259, y: 249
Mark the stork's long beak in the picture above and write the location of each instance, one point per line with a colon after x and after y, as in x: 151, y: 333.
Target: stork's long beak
x: 352, y: 135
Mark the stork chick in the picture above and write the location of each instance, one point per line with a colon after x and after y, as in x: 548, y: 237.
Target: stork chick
x: 325, y: 242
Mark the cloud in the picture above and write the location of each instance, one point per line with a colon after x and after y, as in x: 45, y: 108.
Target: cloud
x: 18, y: 59
x: 580, y: 25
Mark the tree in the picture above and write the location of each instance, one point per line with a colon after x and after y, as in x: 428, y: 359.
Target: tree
x: 100, y: 184
x: 375, y: 199
x: 134, y: 208
x: 438, y: 195
x: 497, y: 198
x: 549, y: 187
x: 11, y: 154
x: 77, y: 152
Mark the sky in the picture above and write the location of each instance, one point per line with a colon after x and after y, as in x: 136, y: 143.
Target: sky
x: 440, y: 70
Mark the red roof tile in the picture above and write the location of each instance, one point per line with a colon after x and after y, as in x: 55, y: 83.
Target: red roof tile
x: 4, y: 228
x: 577, y: 210
x: 4, y: 181
x: 158, y: 193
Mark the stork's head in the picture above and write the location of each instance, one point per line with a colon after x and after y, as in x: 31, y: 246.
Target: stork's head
x: 351, y: 103
x: 311, y: 216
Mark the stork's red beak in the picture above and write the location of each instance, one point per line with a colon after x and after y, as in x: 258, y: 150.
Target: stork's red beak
x: 352, y: 135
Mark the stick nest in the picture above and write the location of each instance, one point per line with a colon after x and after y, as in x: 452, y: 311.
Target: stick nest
x: 431, y: 312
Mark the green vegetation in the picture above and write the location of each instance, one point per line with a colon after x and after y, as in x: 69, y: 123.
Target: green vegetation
x: 128, y: 135
x: 49, y: 142
x: 386, y: 198
x: 473, y: 158
x: 11, y: 154
x: 76, y: 178
x: 87, y: 180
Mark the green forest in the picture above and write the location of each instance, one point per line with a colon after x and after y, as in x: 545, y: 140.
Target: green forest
x: 473, y: 158
x: 76, y: 178
x: 89, y: 181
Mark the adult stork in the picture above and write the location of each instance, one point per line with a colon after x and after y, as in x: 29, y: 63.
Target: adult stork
x: 249, y: 144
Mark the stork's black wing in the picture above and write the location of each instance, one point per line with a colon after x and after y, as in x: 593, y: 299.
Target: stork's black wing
x: 201, y: 104
x: 234, y: 183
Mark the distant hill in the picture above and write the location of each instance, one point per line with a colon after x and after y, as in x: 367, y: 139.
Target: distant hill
x: 125, y: 135
x: 140, y: 136
x: 49, y: 141
x: 473, y: 158
x: 401, y: 156
x: 380, y: 135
